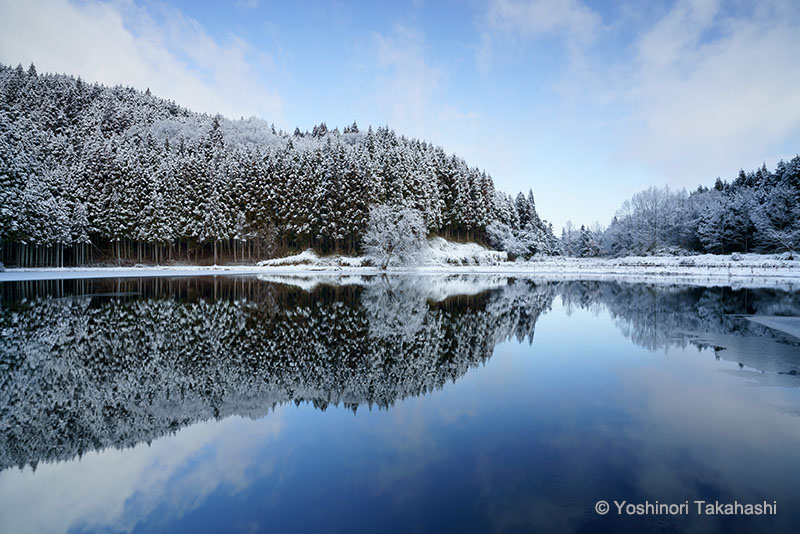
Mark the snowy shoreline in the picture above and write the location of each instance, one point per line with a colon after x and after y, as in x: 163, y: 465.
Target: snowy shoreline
x: 745, y: 271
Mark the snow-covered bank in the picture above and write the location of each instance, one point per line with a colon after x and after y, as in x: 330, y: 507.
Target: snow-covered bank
x: 438, y: 252
x: 444, y: 257
x: 736, y: 265
x: 72, y: 273
x: 784, y: 277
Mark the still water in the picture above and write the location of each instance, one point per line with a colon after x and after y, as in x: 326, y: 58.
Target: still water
x: 393, y: 404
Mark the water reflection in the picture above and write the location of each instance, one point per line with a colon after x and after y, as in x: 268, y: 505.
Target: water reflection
x: 172, y: 392
x: 114, y: 489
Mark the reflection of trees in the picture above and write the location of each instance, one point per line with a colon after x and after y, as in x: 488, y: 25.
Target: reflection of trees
x: 91, y: 364
x: 395, y: 307
x: 656, y: 317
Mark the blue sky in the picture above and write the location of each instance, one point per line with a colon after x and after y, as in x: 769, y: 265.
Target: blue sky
x: 585, y: 102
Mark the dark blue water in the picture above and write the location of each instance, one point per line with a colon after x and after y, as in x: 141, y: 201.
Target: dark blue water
x: 393, y: 405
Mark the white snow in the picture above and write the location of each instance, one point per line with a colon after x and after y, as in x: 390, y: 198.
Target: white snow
x: 443, y: 252
x: 307, y: 257
x: 310, y: 258
x: 437, y: 252
x: 443, y: 257
x: 70, y: 273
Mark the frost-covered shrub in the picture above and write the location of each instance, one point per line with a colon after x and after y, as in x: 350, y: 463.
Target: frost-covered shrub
x: 667, y: 251
x: 521, y: 243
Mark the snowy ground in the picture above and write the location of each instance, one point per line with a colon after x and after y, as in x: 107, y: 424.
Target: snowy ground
x: 443, y: 257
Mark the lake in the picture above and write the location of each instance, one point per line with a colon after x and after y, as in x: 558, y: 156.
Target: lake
x: 394, y: 404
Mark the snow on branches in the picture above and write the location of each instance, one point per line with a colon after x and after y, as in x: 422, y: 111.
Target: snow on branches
x: 395, y: 235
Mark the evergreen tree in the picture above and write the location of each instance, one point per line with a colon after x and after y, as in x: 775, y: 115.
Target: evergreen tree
x: 128, y: 177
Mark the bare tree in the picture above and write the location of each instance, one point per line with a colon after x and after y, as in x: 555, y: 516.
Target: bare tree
x: 395, y: 235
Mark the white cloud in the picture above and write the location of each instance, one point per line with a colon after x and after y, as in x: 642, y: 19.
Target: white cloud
x: 711, y: 92
x: 572, y: 22
x: 413, y: 95
x: 122, y: 43
x: 541, y: 17
x: 675, y: 94
x: 406, y: 83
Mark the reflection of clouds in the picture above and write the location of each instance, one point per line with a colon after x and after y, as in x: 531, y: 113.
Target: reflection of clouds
x: 673, y: 429
x: 535, y: 512
x: 407, y: 438
x: 763, y: 379
x: 700, y: 417
x: 669, y: 427
x: 115, y: 488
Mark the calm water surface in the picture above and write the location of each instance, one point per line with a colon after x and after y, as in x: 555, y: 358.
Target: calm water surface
x: 392, y: 404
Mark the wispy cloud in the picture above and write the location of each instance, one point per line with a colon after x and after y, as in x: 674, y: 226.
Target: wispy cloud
x: 407, y: 84
x: 689, y: 92
x: 157, y: 47
x: 570, y: 18
x: 415, y: 93
x: 569, y: 21
x: 711, y: 91
x: 119, y: 487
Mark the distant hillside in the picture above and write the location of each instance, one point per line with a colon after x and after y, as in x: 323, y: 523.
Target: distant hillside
x: 92, y: 173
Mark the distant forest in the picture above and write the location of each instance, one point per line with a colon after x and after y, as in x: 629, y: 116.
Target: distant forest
x: 756, y: 212
x: 94, y: 174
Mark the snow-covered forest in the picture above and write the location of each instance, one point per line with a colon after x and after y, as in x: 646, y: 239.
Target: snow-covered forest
x: 756, y: 212
x: 111, y: 175
x: 91, y: 173
x: 90, y: 364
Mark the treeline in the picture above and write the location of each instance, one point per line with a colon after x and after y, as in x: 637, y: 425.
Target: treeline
x: 91, y: 173
x: 756, y: 212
